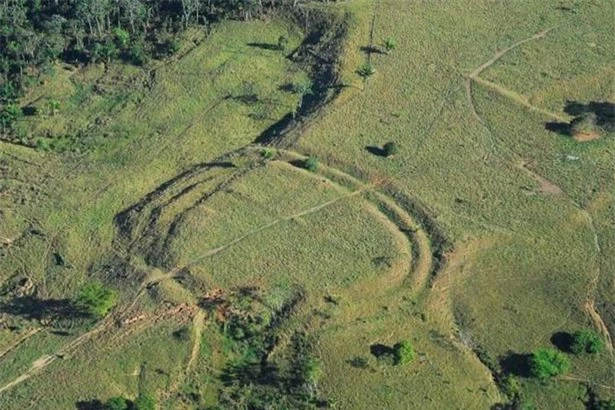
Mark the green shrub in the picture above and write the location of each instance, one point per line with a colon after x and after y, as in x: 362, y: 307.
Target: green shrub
x: 10, y: 114
x: 390, y: 149
x: 95, y: 299
x: 607, y: 404
x: 404, y: 352
x: 366, y: 70
x: 137, y: 53
x: 121, y: 37
x: 586, y: 341
x: 389, y: 44
x: 267, y: 153
x: 547, y: 363
x: 145, y: 402
x: 311, y: 370
x: 510, y: 386
x: 311, y: 163
x: 116, y: 403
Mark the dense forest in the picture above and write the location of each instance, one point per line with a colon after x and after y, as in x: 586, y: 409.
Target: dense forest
x: 35, y: 33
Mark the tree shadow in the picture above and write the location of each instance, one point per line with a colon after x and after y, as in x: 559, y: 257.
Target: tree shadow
x: 603, y: 110
x: 563, y: 341
x: 381, y: 351
x: 265, y: 46
x: 287, y: 88
x: 517, y: 364
x: 32, y: 308
x: 243, y: 374
x: 371, y: 50
x: 374, y: 150
x: 90, y: 405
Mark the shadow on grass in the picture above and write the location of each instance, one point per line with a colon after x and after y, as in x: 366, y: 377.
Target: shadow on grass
x: 517, y: 364
x: 32, y: 308
x: 374, y: 150
x: 563, y: 341
x: 89, y: 405
x: 603, y: 110
x: 379, y: 350
x: 265, y: 46
x: 371, y: 50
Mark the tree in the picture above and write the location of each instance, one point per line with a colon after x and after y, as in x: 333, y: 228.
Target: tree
x: 585, y: 124
x: 547, y: 363
x: 403, y: 352
x: 116, y: 403
x: 586, y: 341
x: 389, y: 44
x: 390, y: 149
x: 311, y: 163
x: 95, y: 300
x: 145, y: 402
x: 366, y: 70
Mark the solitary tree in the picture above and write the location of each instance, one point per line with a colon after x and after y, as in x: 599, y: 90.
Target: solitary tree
x: 389, y: 44
x: 404, y: 352
x: 547, y: 363
x: 311, y: 163
x: 95, y: 300
x: 366, y: 70
x: 585, y: 124
x: 116, y: 403
x: 145, y: 402
x: 390, y: 149
x: 586, y: 341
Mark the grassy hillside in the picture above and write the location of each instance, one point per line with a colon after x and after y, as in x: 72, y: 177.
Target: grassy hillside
x: 244, y: 279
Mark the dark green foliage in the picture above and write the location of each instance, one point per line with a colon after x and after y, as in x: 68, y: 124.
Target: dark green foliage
x: 267, y: 153
x: 547, y: 363
x: 9, y: 115
x: 404, y: 352
x: 311, y: 163
x: 586, y: 341
x: 116, y: 403
x: 606, y: 404
x: 95, y: 300
x: 390, y: 149
x: 33, y: 34
x: 144, y: 402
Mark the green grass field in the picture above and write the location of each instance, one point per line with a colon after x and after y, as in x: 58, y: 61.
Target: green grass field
x: 482, y: 238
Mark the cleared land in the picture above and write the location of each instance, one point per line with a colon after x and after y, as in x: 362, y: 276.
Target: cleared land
x: 485, y: 235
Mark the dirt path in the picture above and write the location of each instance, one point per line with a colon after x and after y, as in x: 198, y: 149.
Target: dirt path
x: 498, y: 55
x: 544, y: 185
x: 520, y: 99
x: 20, y: 341
x: 198, y: 323
x: 45, y: 360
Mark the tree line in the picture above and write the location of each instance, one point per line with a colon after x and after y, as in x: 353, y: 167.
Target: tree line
x: 35, y: 33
